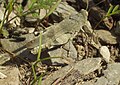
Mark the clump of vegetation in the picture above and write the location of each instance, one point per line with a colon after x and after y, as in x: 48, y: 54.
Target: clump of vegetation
x: 33, y: 9
x: 111, y: 11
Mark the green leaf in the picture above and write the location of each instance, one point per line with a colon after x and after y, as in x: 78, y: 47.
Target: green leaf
x: 19, y: 10
x: 1, y: 25
x: 35, y: 15
x: 115, y: 8
x: 31, y: 4
x: 10, y: 6
x: 117, y: 12
x: 110, y: 10
x: 33, y: 1
x: 40, y: 47
x: 40, y: 80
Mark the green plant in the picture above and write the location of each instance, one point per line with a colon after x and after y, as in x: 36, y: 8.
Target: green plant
x: 34, y: 9
x: 39, y: 78
x: 8, y: 10
x: 111, y: 11
x: 34, y: 64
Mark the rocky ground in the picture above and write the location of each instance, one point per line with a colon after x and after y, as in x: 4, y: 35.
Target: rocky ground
x: 92, y: 57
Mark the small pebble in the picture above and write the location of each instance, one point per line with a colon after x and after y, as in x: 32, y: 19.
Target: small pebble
x: 104, y: 51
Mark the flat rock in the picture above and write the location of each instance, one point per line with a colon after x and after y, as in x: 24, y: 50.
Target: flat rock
x: 60, y: 52
x: 12, y: 44
x: 12, y: 75
x: 112, y: 74
x: 72, y: 53
x: 101, y: 81
x: 18, y: 47
x: 67, y: 52
x: 83, y: 67
x: 88, y: 65
x: 106, y: 36
x: 56, y: 75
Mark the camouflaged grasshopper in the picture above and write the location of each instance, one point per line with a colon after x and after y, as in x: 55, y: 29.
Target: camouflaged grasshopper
x: 60, y: 34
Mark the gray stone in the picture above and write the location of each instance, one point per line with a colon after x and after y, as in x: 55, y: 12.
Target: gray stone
x: 112, y: 74
x: 72, y: 53
x: 17, y: 47
x: 106, y: 36
x: 12, y: 44
x: 67, y: 52
x: 59, y: 52
x: 88, y: 65
x: 101, y: 81
x: 56, y: 75
x: 12, y: 75
x: 84, y: 67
